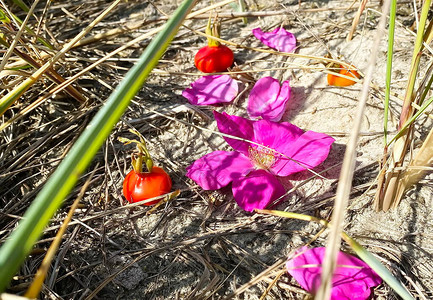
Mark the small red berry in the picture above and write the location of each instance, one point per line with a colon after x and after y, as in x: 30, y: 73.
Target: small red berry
x: 146, y: 185
x: 139, y: 185
x: 211, y: 59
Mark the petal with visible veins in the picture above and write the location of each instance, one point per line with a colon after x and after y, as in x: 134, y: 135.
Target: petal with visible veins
x: 268, y: 99
x: 212, y: 90
x: 279, y: 39
x: 256, y: 190
x: 217, y: 169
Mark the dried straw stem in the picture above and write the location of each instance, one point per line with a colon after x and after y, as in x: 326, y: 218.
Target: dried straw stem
x: 346, y: 176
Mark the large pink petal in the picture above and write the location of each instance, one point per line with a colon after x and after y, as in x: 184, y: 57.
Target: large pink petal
x: 256, y: 190
x: 217, y: 169
x: 308, y: 151
x: 279, y: 39
x: 276, y: 136
x: 236, y: 126
x: 268, y: 100
x: 212, y: 90
x: 352, y: 278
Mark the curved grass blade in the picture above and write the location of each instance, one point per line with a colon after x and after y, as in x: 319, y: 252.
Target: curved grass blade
x: 375, y: 264
x: 409, y: 122
x: 50, y: 198
x: 366, y: 256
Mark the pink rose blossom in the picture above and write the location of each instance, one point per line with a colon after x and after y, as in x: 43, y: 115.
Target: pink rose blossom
x: 279, y: 39
x: 282, y: 149
x: 212, y: 90
x: 352, y: 278
x: 268, y: 99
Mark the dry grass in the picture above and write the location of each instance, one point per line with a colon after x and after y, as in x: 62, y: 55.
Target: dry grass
x: 199, y: 245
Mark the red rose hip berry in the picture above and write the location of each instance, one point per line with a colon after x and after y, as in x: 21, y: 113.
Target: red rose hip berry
x: 146, y: 185
x: 140, y: 185
x: 210, y: 59
x: 214, y: 57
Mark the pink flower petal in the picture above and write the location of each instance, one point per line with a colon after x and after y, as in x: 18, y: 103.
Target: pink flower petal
x: 279, y: 39
x: 281, y: 137
x: 212, y: 90
x: 308, y: 151
x: 276, y: 135
x: 236, y: 126
x: 300, y: 150
x: 256, y: 190
x: 268, y: 100
x: 352, y: 278
x: 217, y: 169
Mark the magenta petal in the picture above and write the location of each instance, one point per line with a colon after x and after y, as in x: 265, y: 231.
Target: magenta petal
x: 256, y: 190
x: 211, y: 90
x: 279, y: 39
x: 308, y: 151
x: 352, y: 278
x: 268, y: 100
x: 236, y: 126
x: 279, y: 136
x: 217, y: 169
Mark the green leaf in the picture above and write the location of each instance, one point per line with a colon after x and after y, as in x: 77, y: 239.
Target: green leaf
x: 16, y: 248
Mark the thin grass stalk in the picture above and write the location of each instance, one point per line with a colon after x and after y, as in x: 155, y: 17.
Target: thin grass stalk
x: 365, y: 255
x: 391, y: 30
x: 428, y: 37
x: 347, y: 171
x: 355, y: 21
x: 17, y: 37
x: 385, y: 195
x: 10, y: 98
x: 411, y: 120
x: 50, y: 198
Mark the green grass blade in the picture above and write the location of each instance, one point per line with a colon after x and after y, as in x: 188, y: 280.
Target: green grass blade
x: 21, y: 5
x: 392, y: 13
x: 15, y: 249
x: 411, y: 120
x: 10, y: 98
x: 378, y: 268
